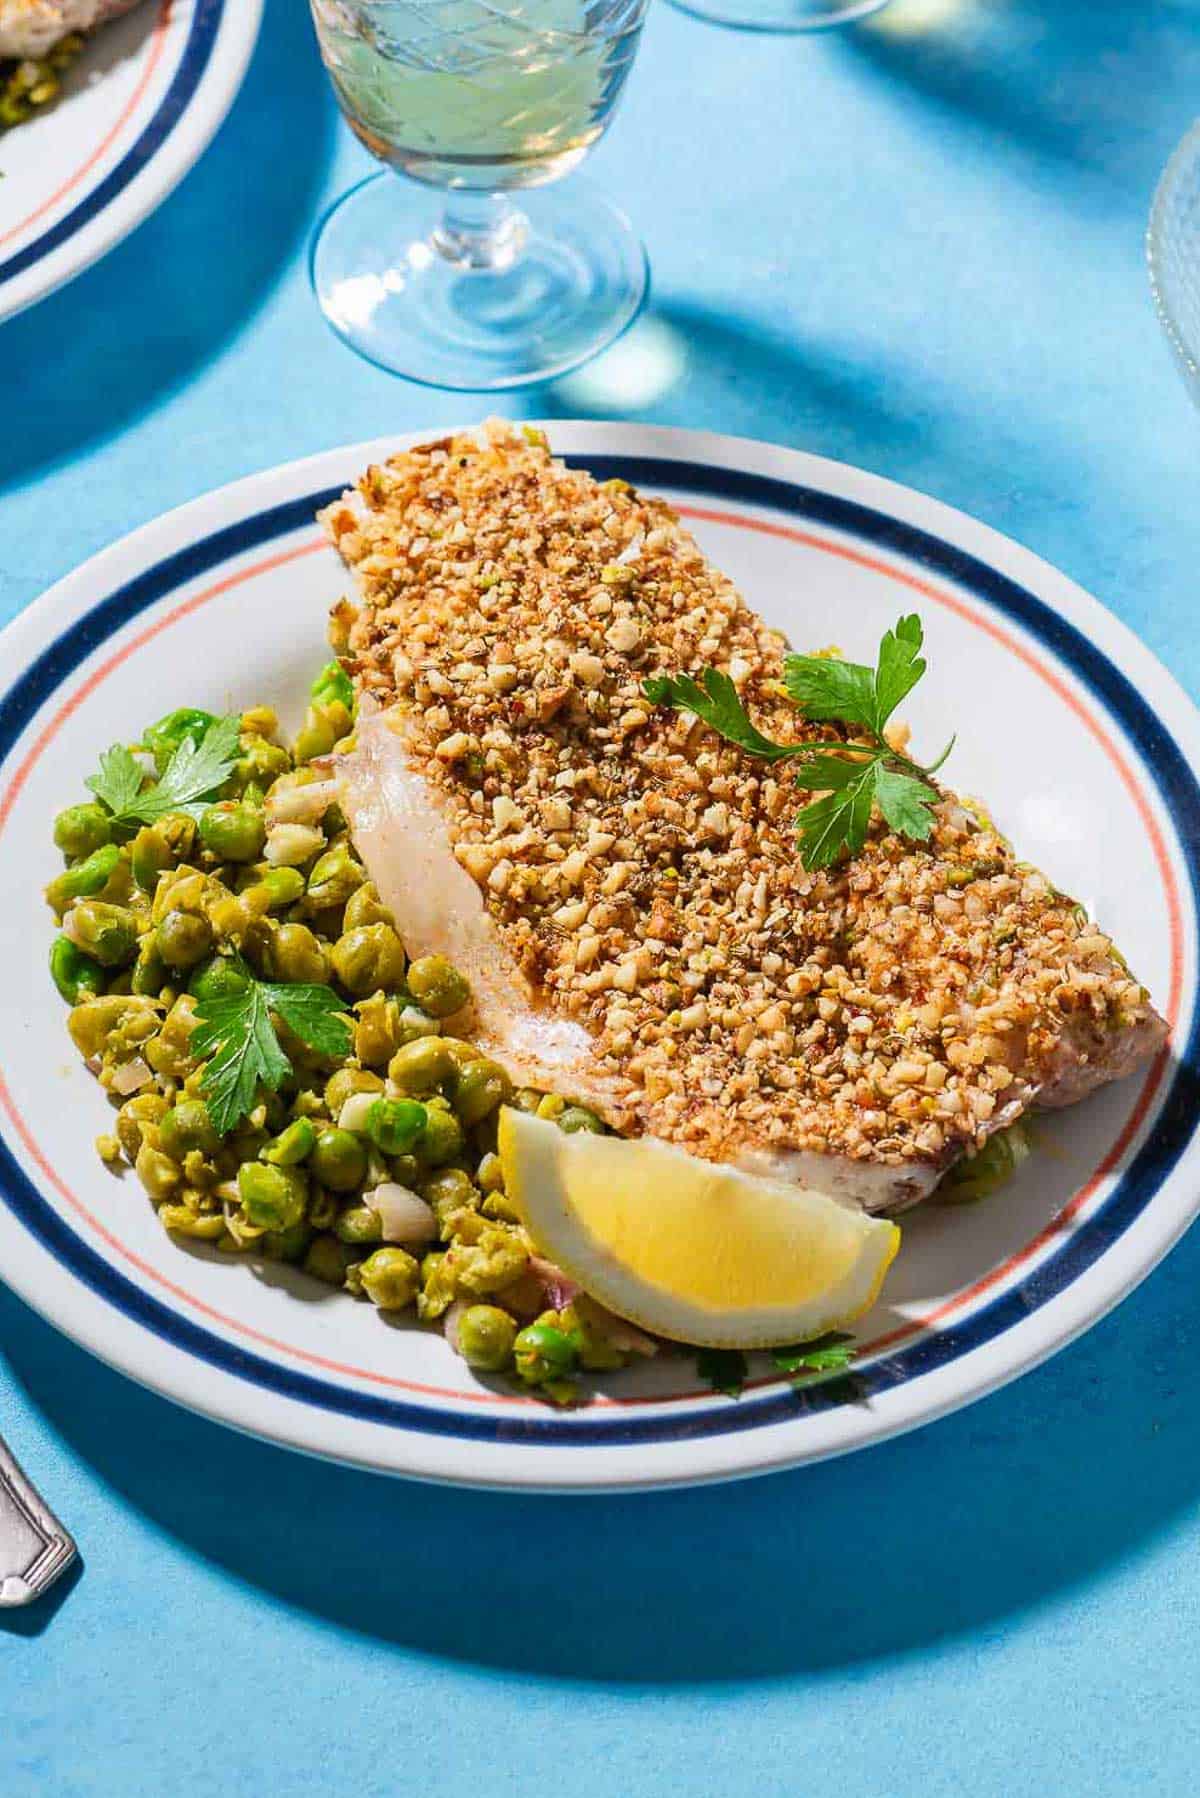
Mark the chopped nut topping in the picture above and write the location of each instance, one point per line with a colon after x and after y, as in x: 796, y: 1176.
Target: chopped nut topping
x: 644, y: 874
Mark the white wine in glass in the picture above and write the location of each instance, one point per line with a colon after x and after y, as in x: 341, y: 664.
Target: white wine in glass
x: 478, y: 99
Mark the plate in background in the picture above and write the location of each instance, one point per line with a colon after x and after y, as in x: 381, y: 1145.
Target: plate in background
x: 138, y: 108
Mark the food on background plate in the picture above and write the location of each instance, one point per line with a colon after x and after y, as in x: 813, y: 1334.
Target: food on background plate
x: 39, y: 39
x: 568, y: 845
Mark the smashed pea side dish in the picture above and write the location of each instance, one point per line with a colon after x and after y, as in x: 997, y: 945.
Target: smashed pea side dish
x: 284, y: 1080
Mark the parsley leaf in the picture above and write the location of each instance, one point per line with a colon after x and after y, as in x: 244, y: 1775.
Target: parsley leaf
x: 190, y: 778
x: 839, y: 822
x: 900, y: 667
x: 236, y: 1030
x: 829, y: 1354
x: 119, y: 781
x: 827, y: 689
x: 853, y: 778
x: 724, y: 1370
x: 717, y: 703
x: 315, y: 1014
x: 905, y: 802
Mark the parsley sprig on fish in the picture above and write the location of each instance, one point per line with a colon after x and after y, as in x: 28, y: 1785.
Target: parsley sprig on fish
x: 853, y: 776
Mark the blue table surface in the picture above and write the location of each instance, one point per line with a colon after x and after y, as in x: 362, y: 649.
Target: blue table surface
x: 916, y: 245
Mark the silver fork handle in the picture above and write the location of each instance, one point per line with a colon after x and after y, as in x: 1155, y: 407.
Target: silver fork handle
x: 34, y: 1546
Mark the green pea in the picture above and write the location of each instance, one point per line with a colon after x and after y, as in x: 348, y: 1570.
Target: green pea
x: 157, y: 1172
x: 542, y: 1353
x: 82, y: 829
x: 420, y: 1066
x: 181, y: 1220
x: 489, y: 1175
x: 188, y: 1126
x: 347, y: 1081
x: 260, y: 721
x: 405, y: 1169
x: 259, y: 764
x: 485, y: 1337
x: 232, y: 832
x: 577, y: 1118
x: 376, y: 1029
x: 338, y: 1160
x: 74, y: 973
x: 448, y: 1189
x: 316, y: 736
x: 325, y: 1260
x: 368, y: 960
x: 447, y: 1192
x: 437, y: 985
x: 149, y: 974
x: 390, y: 1278
x: 359, y: 1224
x: 364, y: 907
x: 144, y: 1108
x: 482, y: 1086
x: 296, y: 955
x: 292, y: 1146
x: 442, y: 1139
x: 161, y: 845
x: 394, y: 1125
x: 289, y: 1244
x: 283, y: 886
x: 184, y: 938
x: 322, y: 1209
x: 333, y: 683
x: 163, y: 739
x: 273, y: 1198
x: 334, y: 877
x: 86, y: 878
x: 108, y: 933
x: 220, y: 977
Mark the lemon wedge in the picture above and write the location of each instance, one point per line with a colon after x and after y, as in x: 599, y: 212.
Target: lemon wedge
x: 692, y: 1250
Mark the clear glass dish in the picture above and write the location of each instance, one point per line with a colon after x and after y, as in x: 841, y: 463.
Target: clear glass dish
x: 1173, y: 253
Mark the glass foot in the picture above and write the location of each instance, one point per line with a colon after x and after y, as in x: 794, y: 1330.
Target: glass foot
x: 780, y: 15
x: 477, y: 291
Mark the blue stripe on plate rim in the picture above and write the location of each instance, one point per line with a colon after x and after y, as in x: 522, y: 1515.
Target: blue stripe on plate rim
x: 197, y: 51
x: 1174, y: 1120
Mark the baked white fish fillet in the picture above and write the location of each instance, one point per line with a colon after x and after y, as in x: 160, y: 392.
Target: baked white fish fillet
x: 29, y: 28
x: 623, y: 888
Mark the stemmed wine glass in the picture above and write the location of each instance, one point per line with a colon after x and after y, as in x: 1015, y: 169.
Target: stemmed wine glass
x: 447, y: 277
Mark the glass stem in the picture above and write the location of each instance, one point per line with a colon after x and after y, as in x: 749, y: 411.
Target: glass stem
x: 480, y: 230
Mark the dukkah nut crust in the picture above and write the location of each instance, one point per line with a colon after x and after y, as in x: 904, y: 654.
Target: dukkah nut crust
x: 645, y: 875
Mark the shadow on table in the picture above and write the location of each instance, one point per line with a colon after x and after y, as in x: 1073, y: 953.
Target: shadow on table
x: 85, y: 362
x: 1109, y: 87
x: 959, y: 1527
x: 34, y: 1619
x: 683, y: 362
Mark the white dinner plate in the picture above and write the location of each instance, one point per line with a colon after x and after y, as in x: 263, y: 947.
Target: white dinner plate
x: 137, y: 110
x: 1083, y: 746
